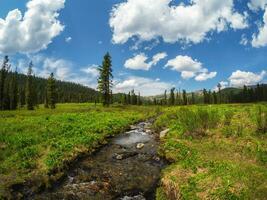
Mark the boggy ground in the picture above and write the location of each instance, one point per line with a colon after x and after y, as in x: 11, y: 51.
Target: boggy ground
x: 127, y: 168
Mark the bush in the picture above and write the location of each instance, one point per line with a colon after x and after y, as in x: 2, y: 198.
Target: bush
x: 261, y: 117
x: 196, y: 123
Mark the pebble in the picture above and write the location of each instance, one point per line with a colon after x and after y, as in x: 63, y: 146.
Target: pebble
x: 163, y: 133
x: 140, y: 145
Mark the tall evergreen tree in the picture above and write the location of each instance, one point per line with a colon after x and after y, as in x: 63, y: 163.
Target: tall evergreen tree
x: 13, y: 92
x: 172, y: 97
x: 193, y: 100
x: 219, y: 86
x: 185, y: 101
x: 165, y: 97
x: 51, y: 91
x: 105, y: 79
x: 29, y: 88
x: 3, y: 76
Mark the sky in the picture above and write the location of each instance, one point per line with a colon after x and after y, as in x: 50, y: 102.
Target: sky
x: 155, y: 44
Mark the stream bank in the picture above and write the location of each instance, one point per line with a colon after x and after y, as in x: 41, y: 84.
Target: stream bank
x: 127, y: 168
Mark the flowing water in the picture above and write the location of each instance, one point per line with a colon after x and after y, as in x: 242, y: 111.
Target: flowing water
x: 128, y: 168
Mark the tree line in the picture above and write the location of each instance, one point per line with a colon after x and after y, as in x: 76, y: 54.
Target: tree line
x: 19, y: 90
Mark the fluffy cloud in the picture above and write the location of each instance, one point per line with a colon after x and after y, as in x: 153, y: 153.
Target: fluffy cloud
x: 63, y: 69
x: 223, y: 84
x: 145, y: 86
x: 257, y: 4
x: 139, y: 62
x: 92, y: 70
x: 205, y: 76
x: 34, y: 31
x: 259, y: 39
x: 241, y: 78
x: 190, y: 68
x: 151, y: 19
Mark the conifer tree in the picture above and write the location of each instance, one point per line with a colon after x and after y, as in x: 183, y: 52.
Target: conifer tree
x: 215, y: 100
x: 165, y: 97
x: 13, y: 92
x: 51, y: 91
x: 3, y: 76
x: 185, y: 101
x: 193, y: 100
x: 105, y: 79
x: 29, y: 88
x: 172, y: 97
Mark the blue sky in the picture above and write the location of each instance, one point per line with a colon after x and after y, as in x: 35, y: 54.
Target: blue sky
x: 182, y: 44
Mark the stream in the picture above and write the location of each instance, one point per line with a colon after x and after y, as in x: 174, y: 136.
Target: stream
x: 128, y: 168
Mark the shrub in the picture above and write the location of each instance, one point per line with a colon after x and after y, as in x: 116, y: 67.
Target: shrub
x: 196, y: 123
x: 261, y: 117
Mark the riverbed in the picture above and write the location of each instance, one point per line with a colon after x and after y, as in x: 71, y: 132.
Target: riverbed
x: 127, y: 168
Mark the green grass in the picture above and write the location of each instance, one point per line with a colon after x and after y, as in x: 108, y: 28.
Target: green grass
x: 218, y: 152
x: 36, y: 143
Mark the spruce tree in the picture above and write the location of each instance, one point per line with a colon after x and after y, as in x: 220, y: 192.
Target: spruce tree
x: 185, y: 101
x: 105, y: 79
x: 13, y: 92
x: 51, y: 91
x: 172, y: 97
x: 165, y: 97
x: 193, y: 98
x: 3, y: 76
x: 29, y: 88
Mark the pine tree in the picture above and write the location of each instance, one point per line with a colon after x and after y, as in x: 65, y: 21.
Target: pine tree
x: 139, y: 99
x: 165, y: 97
x: 193, y: 101
x: 3, y: 76
x: 13, y: 92
x: 184, y: 97
x: 105, y: 79
x: 215, y: 100
x: 29, y: 88
x: 172, y: 97
x: 219, y: 86
x: 51, y: 91
x: 129, y: 98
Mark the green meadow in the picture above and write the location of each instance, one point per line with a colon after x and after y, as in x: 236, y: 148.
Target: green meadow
x: 37, y: 145
x: 216, y: 151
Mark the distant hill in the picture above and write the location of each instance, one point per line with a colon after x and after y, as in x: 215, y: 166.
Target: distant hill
x: 67, y: 92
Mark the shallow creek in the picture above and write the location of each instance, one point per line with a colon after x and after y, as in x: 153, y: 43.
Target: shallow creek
x: 128, y: 168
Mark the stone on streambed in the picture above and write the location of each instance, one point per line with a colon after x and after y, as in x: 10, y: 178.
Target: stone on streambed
x: 124, y: 155
x: 164, y: 133
x: 140, y: 145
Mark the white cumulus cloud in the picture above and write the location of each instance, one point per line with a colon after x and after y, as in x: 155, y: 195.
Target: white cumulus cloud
x: 241, y: 78
x: 150, y: 19
x: 190, y: 68
x: 146, y: 86
x: 139, y: 62
x: 92, y: 70
x: 32, y: 31
x: 259, y: 39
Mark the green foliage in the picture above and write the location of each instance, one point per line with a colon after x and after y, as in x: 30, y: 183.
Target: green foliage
x: 37, y: 142
x: 51, y: 92
x: 261, y: 120
x: 30, y: 88
x: 105, y: 80
x: 228, y: 163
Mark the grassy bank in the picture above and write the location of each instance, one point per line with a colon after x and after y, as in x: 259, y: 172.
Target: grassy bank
x: 35, y: 144
x: 217, y: 152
